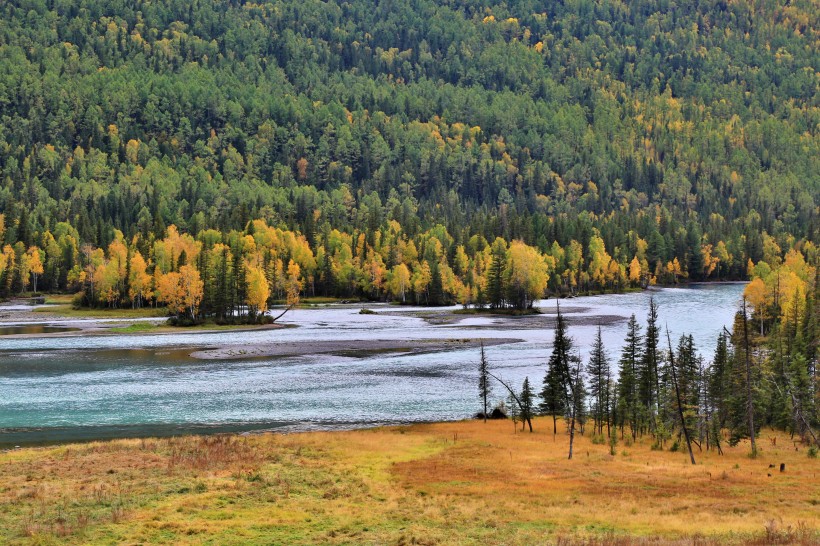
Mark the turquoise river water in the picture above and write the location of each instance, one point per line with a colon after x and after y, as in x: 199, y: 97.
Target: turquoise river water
x: 61, y: 388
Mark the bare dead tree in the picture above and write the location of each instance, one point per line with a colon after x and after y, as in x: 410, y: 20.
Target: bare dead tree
x: 280, y: 315
x: 524, y: 413
x: 797, y: 412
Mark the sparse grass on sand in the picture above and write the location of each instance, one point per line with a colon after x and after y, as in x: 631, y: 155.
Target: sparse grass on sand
x: 446, y: 483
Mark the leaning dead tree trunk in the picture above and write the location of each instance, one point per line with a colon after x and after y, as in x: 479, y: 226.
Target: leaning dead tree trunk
x: 799, y: 418
x: 524, y: 413
x: 280, y: 315
x: 677, y: 395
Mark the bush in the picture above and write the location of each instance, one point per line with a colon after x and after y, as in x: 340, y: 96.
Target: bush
x: 78, y: 301
x: 184, y: 321
x: 812, y: 452
x: 238, y: 321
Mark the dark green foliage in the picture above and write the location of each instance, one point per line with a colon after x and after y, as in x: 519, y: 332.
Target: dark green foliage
x: 495, y: 276
x: 629, y: 411
x: 649, y: 372
x: 527, y: 399
x: 553, y: 392
x: 484, y: 384
x: 738, y: 397
x: 599, y: 381
x: 565, y: 380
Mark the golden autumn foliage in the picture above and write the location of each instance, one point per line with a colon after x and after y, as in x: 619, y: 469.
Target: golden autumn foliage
x: 139, y: 282
x: 781, y: 290
x: 293, y: 283
x: 400, y: 282
x: 528, y: 272
x: 35, y: 264
x: 251, y: 270
x: 181, y: 291
x: 258, y: 290
x: 635, y: 271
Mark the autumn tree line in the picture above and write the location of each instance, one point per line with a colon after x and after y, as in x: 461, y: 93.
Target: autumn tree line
x: 763, y: 373
x: 241, y: 273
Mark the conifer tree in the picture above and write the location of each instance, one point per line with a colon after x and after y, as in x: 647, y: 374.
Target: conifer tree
x: 495, y: 275
x: 679, y: 398
x: 566, y: 367
x: 553, y: 399
x: 628, y: 393
x: 599, y: 375
x: 484, y: 386
x: 527, y: 399
x: 740, y: 399
x: 718, y: 384
x: 579, y: 393
x: 649, y: 379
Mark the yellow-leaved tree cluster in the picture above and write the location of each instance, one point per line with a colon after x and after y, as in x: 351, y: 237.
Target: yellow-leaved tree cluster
x: 240, y: 274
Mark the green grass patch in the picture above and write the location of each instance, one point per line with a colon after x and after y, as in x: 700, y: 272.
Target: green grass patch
x: 59, y: 299
x: 135, y: 328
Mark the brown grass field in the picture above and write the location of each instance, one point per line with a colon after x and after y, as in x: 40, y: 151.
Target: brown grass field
x: 447, y: 483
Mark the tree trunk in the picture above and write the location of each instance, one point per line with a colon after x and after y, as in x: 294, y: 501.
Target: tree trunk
x: 514, y: 397
x: 280, y: 315
x: 750, y: 414
x: 677, y: 395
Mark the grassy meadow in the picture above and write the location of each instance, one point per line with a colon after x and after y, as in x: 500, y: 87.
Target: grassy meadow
x: 446, y: 483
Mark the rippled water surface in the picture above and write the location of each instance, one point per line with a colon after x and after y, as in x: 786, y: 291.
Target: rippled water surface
x: 61, y: 388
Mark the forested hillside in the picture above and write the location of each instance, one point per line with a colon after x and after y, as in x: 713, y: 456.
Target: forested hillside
x: 615, y: 142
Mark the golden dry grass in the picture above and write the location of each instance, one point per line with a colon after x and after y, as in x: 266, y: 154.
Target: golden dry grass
x: 446, y: 483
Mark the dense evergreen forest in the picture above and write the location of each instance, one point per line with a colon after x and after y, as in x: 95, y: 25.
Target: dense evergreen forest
x: 763, y: 373
x: 216, y: 155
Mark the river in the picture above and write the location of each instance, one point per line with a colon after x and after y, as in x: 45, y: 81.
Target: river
x: 55, y: 389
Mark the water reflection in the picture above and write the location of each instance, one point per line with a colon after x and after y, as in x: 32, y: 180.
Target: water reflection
x: 34, y: 329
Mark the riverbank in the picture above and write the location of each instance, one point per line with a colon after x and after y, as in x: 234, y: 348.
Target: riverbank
x: 464, y: 482
x: 60, y: 318
x: 63, y: 326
